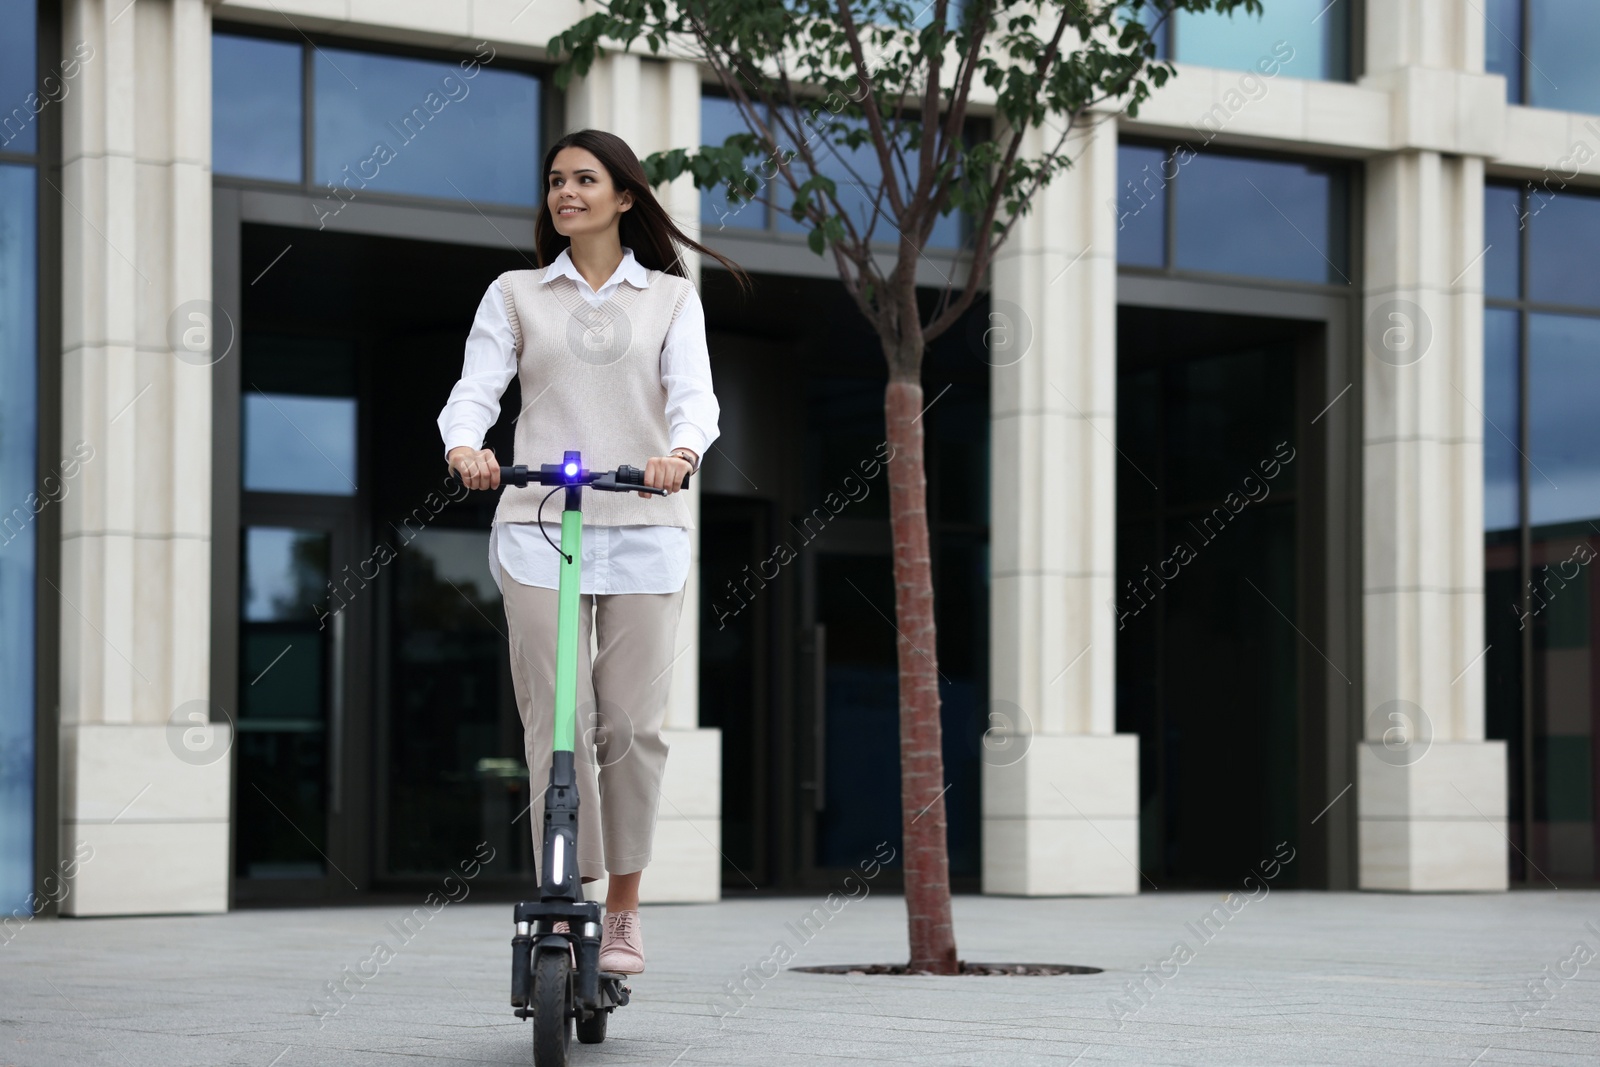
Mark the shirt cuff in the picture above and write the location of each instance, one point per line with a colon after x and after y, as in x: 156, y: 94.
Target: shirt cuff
x: 692, y: 439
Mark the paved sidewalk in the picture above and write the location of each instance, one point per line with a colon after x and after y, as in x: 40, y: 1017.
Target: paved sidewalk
x: 1293, y: 978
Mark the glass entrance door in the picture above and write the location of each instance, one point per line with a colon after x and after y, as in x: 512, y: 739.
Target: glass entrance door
x: 298, y: 788
x: 1208, y: 589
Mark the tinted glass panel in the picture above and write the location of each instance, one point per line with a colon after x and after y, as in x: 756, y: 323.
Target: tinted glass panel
x: 300, y: 415
x: 283, y: 691
x: 1142, y: 174
x: 256, y: 104
x: 20, y: 97
x: 1563, y: 433
x: 1258, y: 217
x: 1502, y: 44
x: 1565, y: 38
x: 856, y: 197
x: 459, y: 776
x: 19, y: 429
x: 299, y: 444
x: 719, y: 120
x: 1501, y: 460
x: 1502, y: 272
x: 1307, y: 37
x: 1563, y: 233
x: 395, y: 125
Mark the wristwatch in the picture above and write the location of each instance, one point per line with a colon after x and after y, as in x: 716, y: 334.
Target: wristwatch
x: 689, y: 458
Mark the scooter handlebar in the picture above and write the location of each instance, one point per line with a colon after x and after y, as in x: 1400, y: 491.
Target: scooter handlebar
x: 624, y: 479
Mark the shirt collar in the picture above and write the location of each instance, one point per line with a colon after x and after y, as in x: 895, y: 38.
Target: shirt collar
x: 630, y: 270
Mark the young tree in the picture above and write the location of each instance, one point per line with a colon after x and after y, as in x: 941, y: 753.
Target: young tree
x: 960, y: 106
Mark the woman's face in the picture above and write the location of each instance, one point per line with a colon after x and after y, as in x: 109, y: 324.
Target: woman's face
x: 582, y: 198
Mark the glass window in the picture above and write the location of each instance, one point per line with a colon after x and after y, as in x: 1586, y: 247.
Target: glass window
x: 281, y: 823
x: 20, y: 96
x: 1564, y: 36
x: 1563, y: 433
x: 300, y: 416
x: 719, y: 120
x: 1265, y: 218
x: 423, y: 127
x: 1563, y: 233
x: 20, y: 497
x: 256, y: 104
x: 1502, y: 226
x: 1502, y: 44
x: 1501, y: 509
x: 299, y: 444
x: 1307, y: 38
x: 845, y: 166
x: 1141, y: 206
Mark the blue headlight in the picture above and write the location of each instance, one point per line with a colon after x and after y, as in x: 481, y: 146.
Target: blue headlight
x: 572, y: 468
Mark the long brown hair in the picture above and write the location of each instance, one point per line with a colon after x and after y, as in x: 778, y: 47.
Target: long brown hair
x: 646, y: 227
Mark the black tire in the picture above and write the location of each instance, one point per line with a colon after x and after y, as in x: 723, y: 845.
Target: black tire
x: 552, y: 1004
x: 592, y: 1031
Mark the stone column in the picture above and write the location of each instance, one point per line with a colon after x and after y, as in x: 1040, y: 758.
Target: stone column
x: 655, y: 105
x: 144, y: 778
x: 1060, y: 786
x: 1431, y: 791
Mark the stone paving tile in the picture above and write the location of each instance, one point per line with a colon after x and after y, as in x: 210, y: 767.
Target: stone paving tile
x: 1294, y: 978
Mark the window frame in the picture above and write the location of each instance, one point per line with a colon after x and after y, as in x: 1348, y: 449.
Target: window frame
x: 551, y: 113
x: 1343, y: 207
x: 1525, y: 308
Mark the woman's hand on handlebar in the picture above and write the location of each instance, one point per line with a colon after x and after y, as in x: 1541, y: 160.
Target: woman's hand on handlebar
x: 665, y: 472
x: 477, y: 467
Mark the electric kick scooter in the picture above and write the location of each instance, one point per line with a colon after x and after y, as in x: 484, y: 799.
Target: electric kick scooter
x: 544, y: 985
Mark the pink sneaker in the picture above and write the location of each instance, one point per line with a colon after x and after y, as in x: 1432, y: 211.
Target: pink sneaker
x: 621, y: 945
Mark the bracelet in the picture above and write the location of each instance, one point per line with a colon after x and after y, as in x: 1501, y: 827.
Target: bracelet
x: 693, y: 466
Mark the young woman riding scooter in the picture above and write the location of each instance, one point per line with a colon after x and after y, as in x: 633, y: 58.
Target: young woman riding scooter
x: 607, y: 339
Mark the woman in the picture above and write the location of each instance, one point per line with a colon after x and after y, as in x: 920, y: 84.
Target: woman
x: 608, y: 341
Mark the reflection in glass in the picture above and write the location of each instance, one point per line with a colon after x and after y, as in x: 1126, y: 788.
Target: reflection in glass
x: 719, y: 120
x: 1143, y: 173
x: 425, y: 127
x: 299, y: 444
x: 284, y: 640
x: 1265, y: 218
x: 856, y: 174
x: 256, y: 104
x: 285, y: 573
x: 1309, y: 38
x: 455, y: 764
x: 1563, y: 233
x: 1563, y: 433
x: 1501, y: 508
x: 19, y: 428
x: 19, y: 89
x: 1502, y: 44
x: 1502, y: 212
x: 1564, y: 37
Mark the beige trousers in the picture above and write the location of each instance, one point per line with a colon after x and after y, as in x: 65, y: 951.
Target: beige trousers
x: 622, y: 702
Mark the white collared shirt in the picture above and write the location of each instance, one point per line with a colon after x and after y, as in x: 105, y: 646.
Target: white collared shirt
x: 616, y: 559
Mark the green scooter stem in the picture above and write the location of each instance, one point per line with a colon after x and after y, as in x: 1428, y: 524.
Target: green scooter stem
x: 566, y: 711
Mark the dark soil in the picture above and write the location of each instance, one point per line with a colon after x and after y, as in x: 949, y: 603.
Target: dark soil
x: 967, y: 968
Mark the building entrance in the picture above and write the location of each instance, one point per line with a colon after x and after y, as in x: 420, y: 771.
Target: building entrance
x: 379, y: 742
x: 1212, y: 557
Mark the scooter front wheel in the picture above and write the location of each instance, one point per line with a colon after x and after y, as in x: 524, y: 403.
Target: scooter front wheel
x: 552, y: 1009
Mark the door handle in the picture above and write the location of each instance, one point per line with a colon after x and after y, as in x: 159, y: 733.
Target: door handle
x: 819, y: 707
x: 336, y: 716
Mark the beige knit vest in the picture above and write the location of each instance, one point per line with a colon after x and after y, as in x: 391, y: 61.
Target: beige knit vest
x: 591, y: 382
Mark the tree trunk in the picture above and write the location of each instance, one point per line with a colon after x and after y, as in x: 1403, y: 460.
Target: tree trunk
x: 927, y: 857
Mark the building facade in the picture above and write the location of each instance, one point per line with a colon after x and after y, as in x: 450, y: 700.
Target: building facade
x: 1260, y: 503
